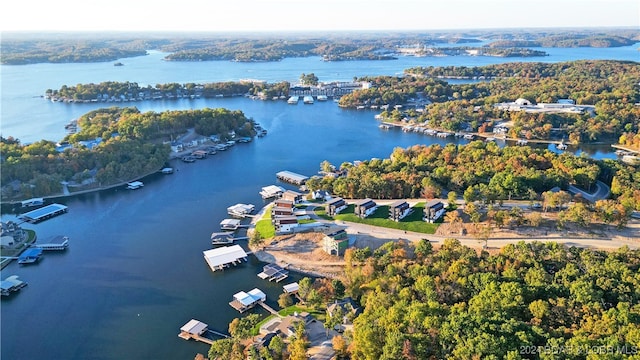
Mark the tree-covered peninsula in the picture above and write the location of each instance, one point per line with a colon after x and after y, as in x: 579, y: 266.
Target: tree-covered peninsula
x: 609, y: 87
x: 113, y: 146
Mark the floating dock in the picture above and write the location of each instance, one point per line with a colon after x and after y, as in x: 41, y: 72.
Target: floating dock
x: 291, y: 177
x: 58, y: 242
x: 44, y: 213
x: 273, y: 272
x: 134, y: 185
x: 223, y: 257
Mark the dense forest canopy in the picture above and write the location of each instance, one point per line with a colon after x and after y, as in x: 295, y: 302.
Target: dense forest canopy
x: 529, y: 300
x: 611, y: 86
x: 481, y: 171
x: 132, y: 144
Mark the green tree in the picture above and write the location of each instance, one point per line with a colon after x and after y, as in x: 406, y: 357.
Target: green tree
x: 284, y: 300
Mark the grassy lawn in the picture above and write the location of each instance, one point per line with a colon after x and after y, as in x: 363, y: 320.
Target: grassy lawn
x: 413, y: 222
x: 318, y: 315
x: 264, y: 226
x: 321, y: 211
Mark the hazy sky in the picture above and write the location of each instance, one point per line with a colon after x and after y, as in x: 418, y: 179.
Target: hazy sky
x: 275, y: 15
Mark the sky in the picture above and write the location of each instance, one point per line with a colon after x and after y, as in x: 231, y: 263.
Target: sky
x: 316, y: 15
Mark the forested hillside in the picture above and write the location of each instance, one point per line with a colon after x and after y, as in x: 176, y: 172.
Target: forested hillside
x: 528, y: 301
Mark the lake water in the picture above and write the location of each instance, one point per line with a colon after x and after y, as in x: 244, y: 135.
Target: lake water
x: 134, y: 273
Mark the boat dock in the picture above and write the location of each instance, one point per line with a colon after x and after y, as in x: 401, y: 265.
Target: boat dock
x: 241, y: 210
x: 30, y: 256
x: 230, y: 224
x: 243, y: 301
x: 58, y: 242
x: 223, y: 257
x: 44, y: 213
x: 271, y: 191
x: 196, y: 330
x: 11, y: 284
x: 273, y: 272
x: 291, y: 177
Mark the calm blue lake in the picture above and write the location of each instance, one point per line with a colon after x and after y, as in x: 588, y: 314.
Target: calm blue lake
x: 134, y: 273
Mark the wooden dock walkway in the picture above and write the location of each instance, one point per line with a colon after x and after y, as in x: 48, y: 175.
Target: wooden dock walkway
x: 268, y: 308
x: 196, y: 337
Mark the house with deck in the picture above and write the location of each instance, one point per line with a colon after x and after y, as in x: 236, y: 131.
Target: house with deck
x: 335, y: 206
x: 398, y: 210
x: 433, y: 211
x: 293, y: 196
x: 365, y: 207
x: 284, y: 223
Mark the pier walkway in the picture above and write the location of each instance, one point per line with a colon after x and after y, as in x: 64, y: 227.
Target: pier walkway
x: 268, y: 308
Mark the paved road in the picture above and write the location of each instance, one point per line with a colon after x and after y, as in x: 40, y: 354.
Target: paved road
x: 602, y: 192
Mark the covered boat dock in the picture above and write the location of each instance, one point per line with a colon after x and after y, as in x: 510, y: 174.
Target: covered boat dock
x: 291, y: 177
x: 44, y: 213
x: 273, y: 272
x: 223, y: 257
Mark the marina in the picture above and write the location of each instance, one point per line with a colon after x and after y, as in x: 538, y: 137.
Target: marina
x: 44, y: 213
x: 223, y: 257
x: 291, y: 177
x: 55, y: 243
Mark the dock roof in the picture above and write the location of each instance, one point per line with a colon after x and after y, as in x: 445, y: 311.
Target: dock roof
x: 223, y: 255
x: 291, y: 177
x: 194, y: 327
x: 44, y: 212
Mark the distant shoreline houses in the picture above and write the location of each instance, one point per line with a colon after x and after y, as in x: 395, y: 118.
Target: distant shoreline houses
x: 561, y: 106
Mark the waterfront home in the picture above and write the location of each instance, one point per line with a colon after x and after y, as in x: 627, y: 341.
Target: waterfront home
x: 365, y: 208
x: 348, y: 307
x: 283, y: 203
x: 398, y: 210
x: 335, y: 243
x: 223, y: 257
x: 433, y: 210
x: 285, y: 224
x: 293, y: 196
x: 271, y: 191
x: 279, y: 210
x: 321, y: 195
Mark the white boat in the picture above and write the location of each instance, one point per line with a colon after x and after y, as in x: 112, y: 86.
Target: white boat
x: 293, y: 100
x: 134, y: 185
x: 167, y: 170
x: 322, y: 98
x: 33, y: 202
x: 308, y: 99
